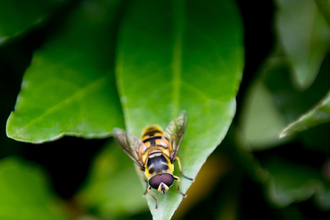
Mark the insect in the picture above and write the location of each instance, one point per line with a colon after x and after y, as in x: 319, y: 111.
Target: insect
x: 155, y: 153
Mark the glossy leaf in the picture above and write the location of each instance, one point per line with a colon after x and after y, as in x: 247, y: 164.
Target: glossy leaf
x: 113, y: 188
x: 25, y: 194
x: 69, y: 89
x: 177, y: 55
x: 318, y: 115
x: 17, y: 16
x: 305, y: 36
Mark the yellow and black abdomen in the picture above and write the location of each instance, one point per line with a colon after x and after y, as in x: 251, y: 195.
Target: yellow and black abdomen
x: 156, y: 155
x: 151, y: 131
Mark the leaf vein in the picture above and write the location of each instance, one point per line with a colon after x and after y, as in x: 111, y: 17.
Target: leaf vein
x: 88, y: 88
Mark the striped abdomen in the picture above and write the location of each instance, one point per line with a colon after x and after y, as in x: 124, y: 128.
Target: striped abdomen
x: 156, y: 154
x: 152, y: 137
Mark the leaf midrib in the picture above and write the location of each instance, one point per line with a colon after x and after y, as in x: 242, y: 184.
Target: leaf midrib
x: 179, y: 23
x: 88, y: 88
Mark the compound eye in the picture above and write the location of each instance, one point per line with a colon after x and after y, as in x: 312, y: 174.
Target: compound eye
x: 155, y: 181
x: 167, y: 179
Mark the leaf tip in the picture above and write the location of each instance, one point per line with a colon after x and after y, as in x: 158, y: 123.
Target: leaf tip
x: 8, y: 126
x: 282, y: 134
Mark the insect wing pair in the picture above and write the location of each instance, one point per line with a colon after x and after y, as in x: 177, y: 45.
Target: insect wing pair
x: 156, y: 150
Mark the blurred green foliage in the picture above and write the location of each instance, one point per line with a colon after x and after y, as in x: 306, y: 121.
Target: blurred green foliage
x: 25, y: 193
x: 111, y: 169
x: 305, y: 37
x: 81, y: 68
x: 18, y: 17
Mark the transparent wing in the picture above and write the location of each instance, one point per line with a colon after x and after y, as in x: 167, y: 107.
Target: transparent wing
x: 130, y: 145
x: 174, y: 133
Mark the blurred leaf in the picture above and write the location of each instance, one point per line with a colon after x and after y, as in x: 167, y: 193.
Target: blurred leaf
x: 113, y: 188
x: 305, y: 36
x: 237, y: 194
x: 261, y: 121
x: 173, y: 56
x: 25, y: 194
x: 292, y: 103
x: 291, y: 213
x: 289, y: 182
x: 318, y: 115
x: 202, y: 189
x: 17, y: 16
x: 322, y: 198
x: 324, y: 7
x: 69, y: 89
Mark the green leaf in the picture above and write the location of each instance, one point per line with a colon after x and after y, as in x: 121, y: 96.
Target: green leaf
x: 69, y: 89
x: 305, y: 36
x: 113, y: 188
x: 25, y: 194
x: 289, y: 182
x: 324, y: 7
x: 322, y: 197
x: 292, y: 103
x: 180, y: 55
x: 261, y: 121
x: 17, y: 16
x: 318, y: 115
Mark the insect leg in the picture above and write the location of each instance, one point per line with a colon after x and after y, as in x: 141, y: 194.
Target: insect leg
x: 144, y: 194
x: 177, y: 159
x: 153, y: 197
x: 178, y: 179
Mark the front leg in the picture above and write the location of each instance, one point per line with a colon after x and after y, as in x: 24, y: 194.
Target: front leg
x: 153, y: 197
x: 178, y: 179
x: 180, y: 168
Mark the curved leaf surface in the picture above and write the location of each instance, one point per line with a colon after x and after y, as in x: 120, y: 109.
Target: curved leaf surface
x: 180, y: 55
x: 324, y: 7
x: 305, y: 36
x: 24, y: 193
x: 69, y: 89
x: 17, y: 16
x: 318, y: 115
x: 292, y: 103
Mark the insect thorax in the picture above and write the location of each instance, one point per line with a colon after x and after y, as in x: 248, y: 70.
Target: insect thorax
x: 158, y: 163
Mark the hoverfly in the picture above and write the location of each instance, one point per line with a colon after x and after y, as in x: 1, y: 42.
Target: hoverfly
x: 155, y: 153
